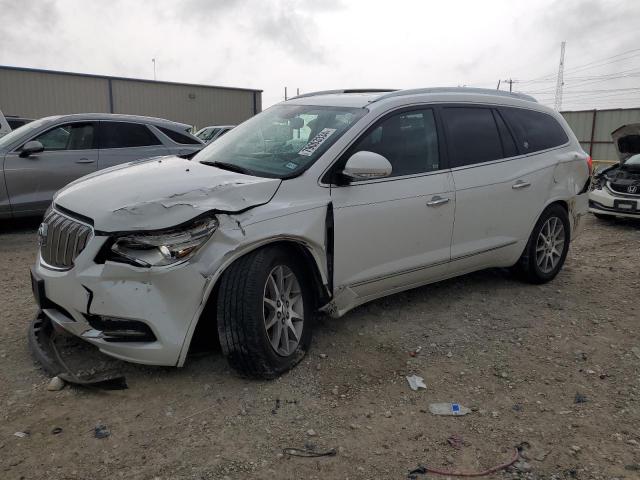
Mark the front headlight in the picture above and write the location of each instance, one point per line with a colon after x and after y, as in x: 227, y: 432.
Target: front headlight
x: 166, y: 247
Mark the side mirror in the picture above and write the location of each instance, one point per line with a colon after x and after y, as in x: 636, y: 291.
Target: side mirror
x: 366, y: 165
x: 30, y: 148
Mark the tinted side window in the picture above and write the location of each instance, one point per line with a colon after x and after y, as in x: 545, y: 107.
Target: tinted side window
x: 508, y: 143
x: 178, y: 137
x: 534, y: 130
x: 126, y: 135
x: 73, y: 136
x: 472, y: 135
x: 409, y: 141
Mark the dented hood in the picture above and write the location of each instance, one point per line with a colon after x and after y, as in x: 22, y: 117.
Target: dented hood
x: 626, y: 140
x: 161, y: 193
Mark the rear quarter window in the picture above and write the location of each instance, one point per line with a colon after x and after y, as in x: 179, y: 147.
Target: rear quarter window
x: 178, y: 137
x: 534, y: 131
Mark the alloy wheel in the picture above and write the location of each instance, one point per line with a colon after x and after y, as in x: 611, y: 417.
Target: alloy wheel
x: 550, y: 244
x: 283, y: 308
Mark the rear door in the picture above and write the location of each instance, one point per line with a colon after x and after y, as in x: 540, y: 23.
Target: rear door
x: 69, y: 153
x: 395, y: 232
x: 500, y: 189
x: 121, y: 142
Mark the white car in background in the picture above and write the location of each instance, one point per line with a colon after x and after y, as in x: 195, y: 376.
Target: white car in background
x: 616, y: 190
x: 323, y: 202
x: 209, y: 134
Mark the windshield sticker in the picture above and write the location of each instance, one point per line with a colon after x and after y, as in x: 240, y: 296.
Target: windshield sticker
x: 291, y: 165
x: 316, y: 141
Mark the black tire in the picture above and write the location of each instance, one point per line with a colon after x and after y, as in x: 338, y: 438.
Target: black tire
x: 600, y: 216
x: 527, y: 267
x: 241, y: 314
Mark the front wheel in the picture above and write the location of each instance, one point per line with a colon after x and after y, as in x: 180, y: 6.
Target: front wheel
x: 547, y: 247
x: 264, y: 313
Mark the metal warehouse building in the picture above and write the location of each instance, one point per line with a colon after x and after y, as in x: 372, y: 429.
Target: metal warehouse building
x: 36, y: 93
x: 593, y: 128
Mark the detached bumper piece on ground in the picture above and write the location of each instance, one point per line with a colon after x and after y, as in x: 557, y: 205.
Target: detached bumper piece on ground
x: 58, y: 353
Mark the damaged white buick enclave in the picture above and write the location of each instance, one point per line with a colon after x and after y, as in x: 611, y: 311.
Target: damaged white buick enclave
x: 320, y: 203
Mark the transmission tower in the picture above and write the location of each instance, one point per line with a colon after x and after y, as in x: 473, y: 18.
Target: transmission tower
x: 560, y: 83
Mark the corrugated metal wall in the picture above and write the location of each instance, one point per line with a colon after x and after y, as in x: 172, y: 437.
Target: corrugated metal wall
x: 36, y: 95
x: 201, y: 106
x: 596, y: 137
x: 40, y: 93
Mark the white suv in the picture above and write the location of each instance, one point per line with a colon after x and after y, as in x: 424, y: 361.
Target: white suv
x: 323, y: 202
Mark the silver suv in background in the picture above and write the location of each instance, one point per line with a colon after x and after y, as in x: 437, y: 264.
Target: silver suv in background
x: 43, y: 156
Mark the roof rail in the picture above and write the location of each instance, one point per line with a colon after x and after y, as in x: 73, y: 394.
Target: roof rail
x: 350, y: 90
x: 484, y: 91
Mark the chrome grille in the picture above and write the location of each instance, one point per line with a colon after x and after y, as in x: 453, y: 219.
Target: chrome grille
x: 61, y: 240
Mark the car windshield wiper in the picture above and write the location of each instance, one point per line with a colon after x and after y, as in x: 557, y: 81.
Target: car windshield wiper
x: 229, y: 166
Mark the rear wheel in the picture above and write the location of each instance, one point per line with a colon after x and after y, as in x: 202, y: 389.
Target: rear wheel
x: 547, y: 247
x: 264, y: 313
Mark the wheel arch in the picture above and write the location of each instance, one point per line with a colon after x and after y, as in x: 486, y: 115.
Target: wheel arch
x: 312, y: 258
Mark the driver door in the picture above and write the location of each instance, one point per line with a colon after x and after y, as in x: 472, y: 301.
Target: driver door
x: 69, y: 153
x: 395, y: 232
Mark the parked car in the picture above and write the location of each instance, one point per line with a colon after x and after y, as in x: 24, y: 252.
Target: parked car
x: 4, y: 125
x: 17, y: 122
x: 43, y: 156
x: 323, y: 202
x: 616, y: 190
x: 209, y: 134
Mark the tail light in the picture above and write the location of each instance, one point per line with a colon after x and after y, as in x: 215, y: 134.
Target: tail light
x: 590, y: 164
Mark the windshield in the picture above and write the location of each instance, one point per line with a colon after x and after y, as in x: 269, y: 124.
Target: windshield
x: 21, y: 132
x: 283, y: 140
x: 207, y: 134
x: 633, y: 161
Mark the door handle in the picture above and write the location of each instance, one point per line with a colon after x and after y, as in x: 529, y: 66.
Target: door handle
x: 435, y: 201
x: 520, y: 184
x: 85, y: 160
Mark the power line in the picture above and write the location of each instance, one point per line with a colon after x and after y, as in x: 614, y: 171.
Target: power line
x: 549, y: 77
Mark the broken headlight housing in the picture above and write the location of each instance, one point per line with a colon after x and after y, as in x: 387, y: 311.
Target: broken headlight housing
x: 165, y: 247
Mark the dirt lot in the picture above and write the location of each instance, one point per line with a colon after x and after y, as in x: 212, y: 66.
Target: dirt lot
x: 516, y: 354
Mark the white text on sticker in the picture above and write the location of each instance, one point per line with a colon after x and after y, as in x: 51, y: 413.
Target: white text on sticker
x: 316, y: 141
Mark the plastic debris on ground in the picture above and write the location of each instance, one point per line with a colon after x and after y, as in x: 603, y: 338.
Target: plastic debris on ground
x: 101, y: 431
x: 21, y: 434
x: 452, y: 409
x: 416, y: 382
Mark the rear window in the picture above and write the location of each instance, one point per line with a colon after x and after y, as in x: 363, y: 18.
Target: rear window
x: 472, y: 135
x: 125, y: 135
x: 178, y: 137
x: 534, y: 131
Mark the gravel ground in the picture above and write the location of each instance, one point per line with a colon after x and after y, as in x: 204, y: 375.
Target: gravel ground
x: 520, y: 356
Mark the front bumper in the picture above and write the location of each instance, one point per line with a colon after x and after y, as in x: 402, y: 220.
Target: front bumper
x: 604, y: 202
x: 166, y: 300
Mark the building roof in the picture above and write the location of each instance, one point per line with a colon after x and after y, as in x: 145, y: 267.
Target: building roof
x: 107, y: 77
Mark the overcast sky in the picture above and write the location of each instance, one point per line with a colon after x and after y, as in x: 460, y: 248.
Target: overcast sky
x: 315, y: 45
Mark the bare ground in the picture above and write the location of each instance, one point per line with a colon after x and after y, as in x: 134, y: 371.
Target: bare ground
x: 517, y: 354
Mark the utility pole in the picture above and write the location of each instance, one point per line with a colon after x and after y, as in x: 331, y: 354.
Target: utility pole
x: 498, y: 87
x: 510, y: 82
x: 297, y: 91
x: 560, y: 82
x: 285, y: 94
x: 154, y: 67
